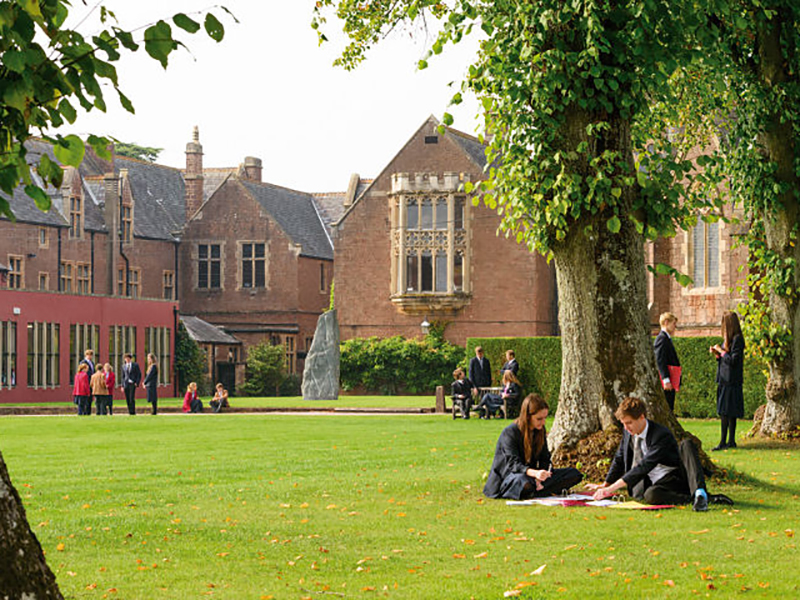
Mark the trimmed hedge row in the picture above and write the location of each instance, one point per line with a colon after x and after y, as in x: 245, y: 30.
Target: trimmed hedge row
x: 540, y: 371
x: 397, y: 365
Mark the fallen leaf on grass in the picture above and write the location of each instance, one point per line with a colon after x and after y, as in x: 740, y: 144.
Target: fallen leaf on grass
x: 702, y: 531
x: 539, y: 571
x: 669, y: 583
x: 510, y: 593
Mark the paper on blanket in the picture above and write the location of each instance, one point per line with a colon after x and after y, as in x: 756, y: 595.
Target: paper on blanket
x: 633, y: 505
x: 602, y: 503
x: 569, y: 500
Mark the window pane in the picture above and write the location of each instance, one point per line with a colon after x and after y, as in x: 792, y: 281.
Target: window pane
x: 202, y: 251
x: 459, y: 213
x: 427, y: 272
x: 247, y: 273
x: 458, y: 272
x: 202, y: 274
x: 699, y: 246
x: 259, y: 250
x: 215, y: 279
x: 412, y: 215
x: 412, y: 281
x: 215, y: 251
x: 426, y: 220
x: 441, y: 272
x: 260, y: 274
x: 712, y: 230
x: 441, y: 213
x: 247, y: 250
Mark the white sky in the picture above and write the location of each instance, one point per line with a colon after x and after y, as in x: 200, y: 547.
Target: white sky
x: 268, y: 90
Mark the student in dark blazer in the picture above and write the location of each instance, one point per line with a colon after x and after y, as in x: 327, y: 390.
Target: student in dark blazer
x: 150, y: 382
x: 461, y: 392
x: 131, y: 378
x: 730, y: 378
x: 666, y: 356
x: 492, y: 404
x: 522, y: 467
x: 651, y: 464
x: 511, y: 364
x: 480, y: 371
x: 88, y: 360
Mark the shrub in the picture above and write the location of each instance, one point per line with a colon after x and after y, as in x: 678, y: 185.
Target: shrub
x: 265, y: 371
x: 190, y: 362
x: 396, y: 365
x: 540, y: 371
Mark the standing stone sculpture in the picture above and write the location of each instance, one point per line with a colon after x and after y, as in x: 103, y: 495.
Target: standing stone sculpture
x: 321, y: 373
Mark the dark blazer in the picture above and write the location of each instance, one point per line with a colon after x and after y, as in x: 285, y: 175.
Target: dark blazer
x: 730, y: 368
x: 89, y: 364
x: 514, y: 392
x: 511, y: 365
x: 461, y: 388
x: 135, y: 375
x: 151, y: 383
x: 665, y: 354
x: 509, y: 457
x: 662, y: 448
x: 480, y: 376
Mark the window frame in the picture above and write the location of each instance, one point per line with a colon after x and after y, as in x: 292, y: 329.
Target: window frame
x: 76, y: 217
x: 15, y: 280
x: 205, y: 264
x: 252, y: 263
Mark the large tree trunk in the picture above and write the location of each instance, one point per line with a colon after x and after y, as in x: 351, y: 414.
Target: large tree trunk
x: 23, y: 570
x: 607, y: 348
x: 778, y: 144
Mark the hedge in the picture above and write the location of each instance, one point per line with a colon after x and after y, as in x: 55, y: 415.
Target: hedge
x: 397, y: 365
x: 540, y: 371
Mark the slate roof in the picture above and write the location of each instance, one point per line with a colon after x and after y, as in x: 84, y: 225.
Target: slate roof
x: 330, y: 206
x: 158, y: 196
x: 213, y: 178
x: 26, y: 210
x: 296, y: 214
x: 471, y: 145
x: 205, y: 333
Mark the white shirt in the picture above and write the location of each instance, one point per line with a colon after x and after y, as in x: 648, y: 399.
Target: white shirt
x: 659, y: 470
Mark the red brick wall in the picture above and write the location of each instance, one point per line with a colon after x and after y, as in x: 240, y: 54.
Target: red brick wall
x: 513, y: 291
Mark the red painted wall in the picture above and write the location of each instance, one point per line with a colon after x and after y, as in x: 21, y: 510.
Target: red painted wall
x: 66, y: 310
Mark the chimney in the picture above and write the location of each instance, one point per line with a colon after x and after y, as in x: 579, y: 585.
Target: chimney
x: 194, y: 174
x: 111, y: 191
x: 252, y: 168
x: 352, y: 189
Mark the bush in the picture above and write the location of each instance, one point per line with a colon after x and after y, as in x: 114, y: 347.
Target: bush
x: 190, y: 362
x: 265, y: 371
x: 396, y: 365
x: 540, y: 372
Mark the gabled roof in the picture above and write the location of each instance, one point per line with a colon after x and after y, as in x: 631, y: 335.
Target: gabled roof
x: 469, y: 145
x: 205, y: 333
x: 296, y: 213
x: 158, y: 196
x: 214, y: 178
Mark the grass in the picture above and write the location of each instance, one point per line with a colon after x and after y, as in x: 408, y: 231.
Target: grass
x: 272, y: 506
x: 281, y: 402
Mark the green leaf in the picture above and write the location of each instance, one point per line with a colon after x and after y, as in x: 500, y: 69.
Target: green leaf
x: 641, y: 177
x: 39, y: 196
x: 422, y: 64
x: 66, y: 109
x: 69, y: 150
x: 158, y: 42
x: 100, y: 145
x: 185, y: 23
x: 616, y: 192
x: 447, y: 119
x: 17, y: 95
x: 50, y: 171
x: 31, y: 7
x: 14, y: 60
x: 614, y: 224
x: 125, y: 101
x: 126, y: 39
x: 214, y: 28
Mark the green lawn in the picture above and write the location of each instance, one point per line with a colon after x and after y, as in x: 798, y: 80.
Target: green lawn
x: 260, y: 506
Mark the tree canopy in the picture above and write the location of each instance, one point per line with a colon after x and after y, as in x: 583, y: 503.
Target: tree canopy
x: 48, y: 72
x: 133, y: 150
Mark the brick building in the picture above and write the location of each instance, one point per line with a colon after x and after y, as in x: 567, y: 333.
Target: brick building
x: 412, y: 247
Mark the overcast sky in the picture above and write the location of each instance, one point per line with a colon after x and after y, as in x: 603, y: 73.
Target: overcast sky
x: 269, y: 90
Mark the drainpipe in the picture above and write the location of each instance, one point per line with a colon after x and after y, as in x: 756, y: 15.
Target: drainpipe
x: 175, y: 282
x: 59, y: 259
x: 91, y: 281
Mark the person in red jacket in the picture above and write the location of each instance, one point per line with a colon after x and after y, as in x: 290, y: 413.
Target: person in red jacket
x: 81, y: 393
x: 191, y: 403
x: 110, y: 381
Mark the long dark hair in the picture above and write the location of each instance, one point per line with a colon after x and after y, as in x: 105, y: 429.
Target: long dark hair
x: 535, y: 439
x: 730, y: 329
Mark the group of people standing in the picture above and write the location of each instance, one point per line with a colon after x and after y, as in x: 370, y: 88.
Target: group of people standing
x: 463, y: 389
x: 730, y: 371
x: 99, y: 382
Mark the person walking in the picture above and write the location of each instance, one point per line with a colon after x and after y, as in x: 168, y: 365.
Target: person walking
x: 150, y: 383
x: 669, y: 367
x: 730, y: 379
x: 131, y: 377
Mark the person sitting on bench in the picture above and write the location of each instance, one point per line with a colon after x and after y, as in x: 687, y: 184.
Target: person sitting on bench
x: 651, y: 464
x: 522, y: 467
x: 461, y: 390
x: 492, y: 404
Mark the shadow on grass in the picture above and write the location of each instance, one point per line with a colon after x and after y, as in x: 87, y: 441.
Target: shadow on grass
x: 732, y: 477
